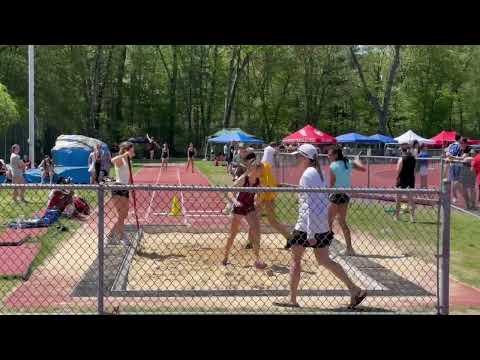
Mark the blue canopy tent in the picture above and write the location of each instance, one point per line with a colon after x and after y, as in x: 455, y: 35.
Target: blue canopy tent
x: 222, y: 132
x: 237, y: 137
x: 358, y: 140
x: 382, y: 138
x: 355, y: 138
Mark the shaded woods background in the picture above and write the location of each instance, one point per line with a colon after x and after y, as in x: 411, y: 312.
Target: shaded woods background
x: 183, y: 93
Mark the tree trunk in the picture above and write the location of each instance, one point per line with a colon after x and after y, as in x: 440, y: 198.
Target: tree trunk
x: 382, y: 110
x: 233, y: 83
x: 117, y: 116
x: 211, y: 95
x: 95, y: 89
x: 173, y: 97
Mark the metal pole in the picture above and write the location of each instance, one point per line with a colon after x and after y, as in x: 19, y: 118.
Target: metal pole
x: 442, y: 164
x: 31, y: 103
x: 368, y: 172
x: 101, y: 231
x: 445, y: 255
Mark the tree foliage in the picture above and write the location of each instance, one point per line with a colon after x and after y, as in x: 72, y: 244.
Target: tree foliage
x: 183, y: 93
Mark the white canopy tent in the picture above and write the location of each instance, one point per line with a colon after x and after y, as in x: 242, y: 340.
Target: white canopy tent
x: 410, y: 137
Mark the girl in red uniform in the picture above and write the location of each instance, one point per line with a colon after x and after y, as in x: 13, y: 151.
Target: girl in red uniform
x: 244, y: 206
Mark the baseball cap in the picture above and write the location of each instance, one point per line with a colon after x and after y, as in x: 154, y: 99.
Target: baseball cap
x: 242, y: 145
x: 307, y: 150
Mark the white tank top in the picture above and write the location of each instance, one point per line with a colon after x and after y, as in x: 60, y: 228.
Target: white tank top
x: 122, y: 173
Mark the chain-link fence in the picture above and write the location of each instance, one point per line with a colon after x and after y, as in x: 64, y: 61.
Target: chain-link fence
x: 174, y: 260
x: 465, y: 190
x: 381, y: 171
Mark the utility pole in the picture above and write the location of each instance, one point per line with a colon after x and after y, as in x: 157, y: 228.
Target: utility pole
x: 31, y: 103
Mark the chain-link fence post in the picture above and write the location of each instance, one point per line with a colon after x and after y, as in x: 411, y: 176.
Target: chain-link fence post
x: 442, y: 164
x: 445, y: 249
x: 368, y: 172
x: 101, y: 231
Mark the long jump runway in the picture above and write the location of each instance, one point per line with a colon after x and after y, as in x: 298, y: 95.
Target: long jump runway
x: 178, y: 263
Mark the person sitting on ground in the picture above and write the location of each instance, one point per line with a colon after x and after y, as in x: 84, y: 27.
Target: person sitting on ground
x: 3, y: 168
x: 244, y: 207
x: 27, y: 162
x: 47, y: 169
x: 405, y: 179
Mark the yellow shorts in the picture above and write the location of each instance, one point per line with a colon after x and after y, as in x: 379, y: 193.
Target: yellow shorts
x: 267, y: 179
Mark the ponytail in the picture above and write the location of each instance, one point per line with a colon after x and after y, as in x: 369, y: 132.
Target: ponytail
x: 316, y: 164
x: 337, y: 150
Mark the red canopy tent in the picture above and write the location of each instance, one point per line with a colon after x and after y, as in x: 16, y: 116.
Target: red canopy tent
x: 311, y: 135
x: 447, y: 137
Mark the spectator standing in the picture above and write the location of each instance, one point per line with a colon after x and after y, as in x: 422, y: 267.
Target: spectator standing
x: 405, y: 179
x: 454, y: 152
x: 467, y: 177
x: 105, y: 163
x: 18, y: 169
x: 476, y: 168
x: 423, y: 166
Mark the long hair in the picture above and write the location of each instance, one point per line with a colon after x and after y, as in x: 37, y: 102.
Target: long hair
x: 316, y: 164
x: 124, y: 147
x: 337, y: 151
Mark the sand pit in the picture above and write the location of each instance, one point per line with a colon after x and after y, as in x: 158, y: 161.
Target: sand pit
x: 189, y: 261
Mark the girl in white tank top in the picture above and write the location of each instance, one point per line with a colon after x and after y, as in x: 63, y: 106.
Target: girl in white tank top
x: 120, y: 198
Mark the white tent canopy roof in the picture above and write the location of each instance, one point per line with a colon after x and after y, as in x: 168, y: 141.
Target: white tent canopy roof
x: 410, y: 137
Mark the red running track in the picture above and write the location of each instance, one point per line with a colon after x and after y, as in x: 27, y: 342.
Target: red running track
x: 198, y: 209
x: 381, y: 176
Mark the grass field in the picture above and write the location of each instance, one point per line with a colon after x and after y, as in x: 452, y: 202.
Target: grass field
x: 37, y: 200
x: 375, y: 219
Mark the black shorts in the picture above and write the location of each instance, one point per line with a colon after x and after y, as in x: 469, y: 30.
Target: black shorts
x: 124, y: 193
x: 339, y: 198
x: 243, y: 210
x: 319, y: 240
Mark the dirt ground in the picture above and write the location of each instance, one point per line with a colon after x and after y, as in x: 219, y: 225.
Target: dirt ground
x: 191, y: 262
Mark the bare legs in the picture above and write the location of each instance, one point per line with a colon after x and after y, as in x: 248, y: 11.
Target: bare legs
x: 189, y: 162
x: 424, y: 182
x: 254, y: 233
x: 121, y: 207
x: 340, y: 211
x: 323, y: 258
x: 411, y: 204
x: 269, y: 207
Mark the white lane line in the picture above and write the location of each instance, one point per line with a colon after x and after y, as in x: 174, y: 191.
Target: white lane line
x: 147, y: 214
x: 370, y: 283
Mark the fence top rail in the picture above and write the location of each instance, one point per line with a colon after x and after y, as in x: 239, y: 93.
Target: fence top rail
x: 151, y: 187
x: 437, y: 158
